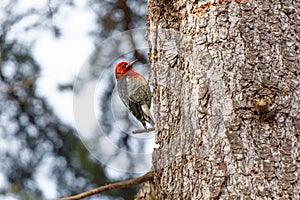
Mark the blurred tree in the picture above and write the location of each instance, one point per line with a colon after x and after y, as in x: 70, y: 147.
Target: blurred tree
x: 32, y: 137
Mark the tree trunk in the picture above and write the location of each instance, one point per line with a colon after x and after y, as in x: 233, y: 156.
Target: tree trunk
x: 226, y: 98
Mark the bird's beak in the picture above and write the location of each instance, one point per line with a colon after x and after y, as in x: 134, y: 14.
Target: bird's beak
x: 131, y: 63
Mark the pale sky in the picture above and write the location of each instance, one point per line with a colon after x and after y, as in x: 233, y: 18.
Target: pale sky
x: 62, y: 58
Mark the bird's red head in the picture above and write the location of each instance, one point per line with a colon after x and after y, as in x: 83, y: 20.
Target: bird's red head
x: 122, y: 68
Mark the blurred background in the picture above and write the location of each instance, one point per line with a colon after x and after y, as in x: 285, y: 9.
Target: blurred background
x: 51, y: 144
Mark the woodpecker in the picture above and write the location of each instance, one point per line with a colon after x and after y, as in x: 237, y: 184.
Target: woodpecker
x: 134, y: 92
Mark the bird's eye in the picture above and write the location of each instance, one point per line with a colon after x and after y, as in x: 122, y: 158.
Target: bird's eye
x: 123, y: 66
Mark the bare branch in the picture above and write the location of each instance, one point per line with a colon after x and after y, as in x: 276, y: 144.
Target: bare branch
x: 143, y: 130
x: 113, y: 186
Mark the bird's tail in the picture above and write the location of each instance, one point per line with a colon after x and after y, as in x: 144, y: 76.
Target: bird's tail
x: 147, y: 114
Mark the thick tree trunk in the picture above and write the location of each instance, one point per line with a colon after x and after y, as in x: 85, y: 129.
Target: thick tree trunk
x: 226, y: 98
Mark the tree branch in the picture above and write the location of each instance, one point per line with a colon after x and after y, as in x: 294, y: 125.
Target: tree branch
x: 113, y: 186
x: 143, y: 130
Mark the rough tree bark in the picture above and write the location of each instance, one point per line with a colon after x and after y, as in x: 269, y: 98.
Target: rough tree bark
x: 226, y: 99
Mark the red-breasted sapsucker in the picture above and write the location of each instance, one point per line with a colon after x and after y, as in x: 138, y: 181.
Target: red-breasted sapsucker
x: 134, y: 92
